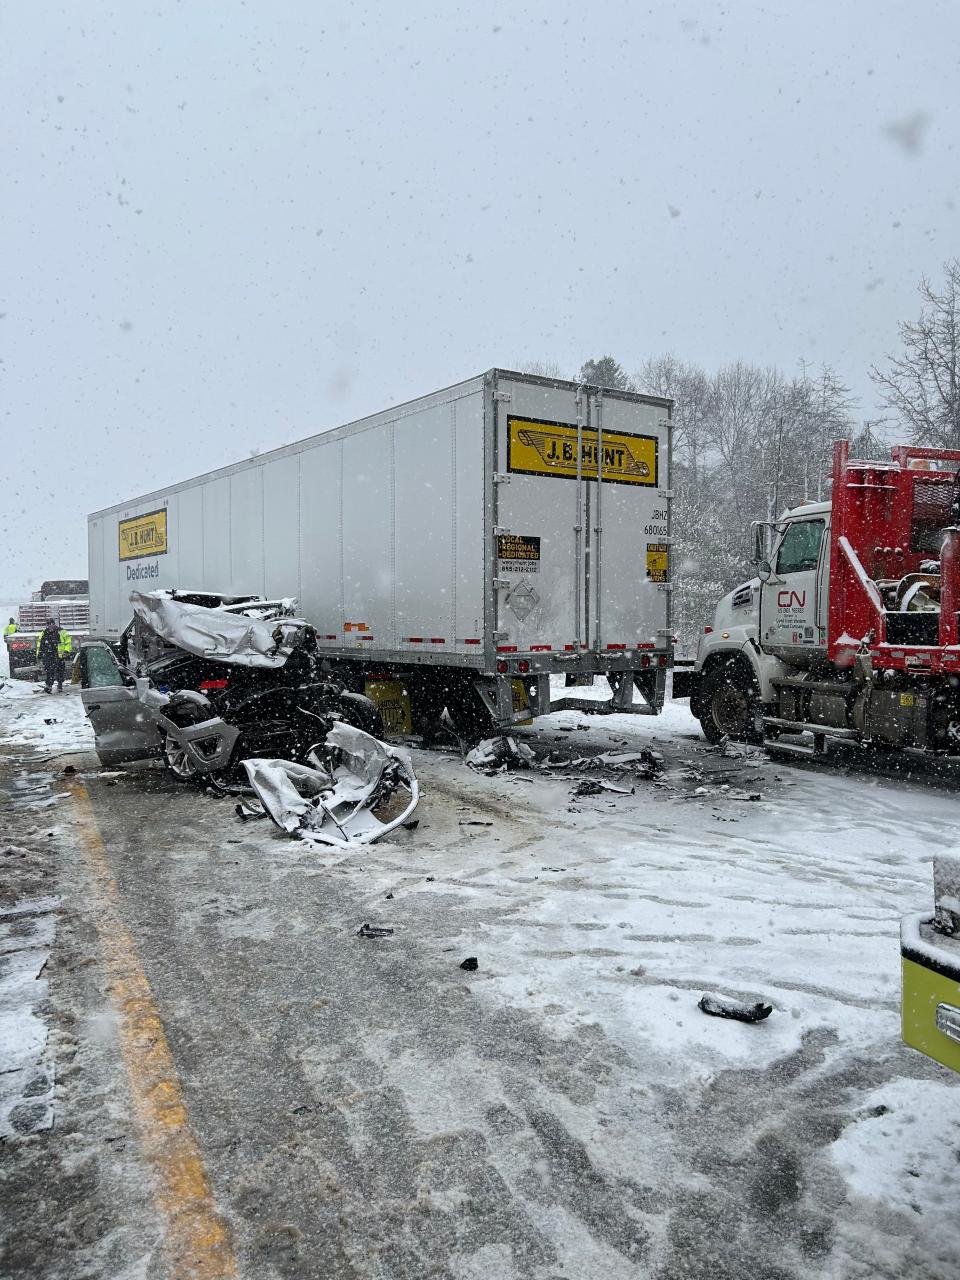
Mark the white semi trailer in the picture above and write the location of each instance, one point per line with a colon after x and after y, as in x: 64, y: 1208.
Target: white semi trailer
x: 505, y: 529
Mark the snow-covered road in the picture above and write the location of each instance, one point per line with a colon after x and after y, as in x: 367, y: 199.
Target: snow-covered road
x: 566, y: 1109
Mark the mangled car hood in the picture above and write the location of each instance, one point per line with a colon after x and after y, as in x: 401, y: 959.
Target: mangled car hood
x: 208, y: 633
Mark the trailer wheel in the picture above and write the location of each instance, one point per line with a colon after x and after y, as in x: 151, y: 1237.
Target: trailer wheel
x: 727, y: 703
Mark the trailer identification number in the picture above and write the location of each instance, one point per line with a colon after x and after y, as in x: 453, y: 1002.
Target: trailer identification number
x: 540, y: 448
x: 657, y: 557
x: 518, y: 552
x: 142, y: 536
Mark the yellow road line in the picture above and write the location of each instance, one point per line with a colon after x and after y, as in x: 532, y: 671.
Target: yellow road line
x: 196, y: 1238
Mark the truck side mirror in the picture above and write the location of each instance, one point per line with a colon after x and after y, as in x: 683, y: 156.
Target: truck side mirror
x: 756, y: 556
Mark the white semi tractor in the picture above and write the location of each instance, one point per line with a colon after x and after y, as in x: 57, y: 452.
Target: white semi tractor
x: 462, y: 548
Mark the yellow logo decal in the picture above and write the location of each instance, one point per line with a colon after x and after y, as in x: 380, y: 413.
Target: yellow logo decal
x: 142, y: 536
x: 550, y: 449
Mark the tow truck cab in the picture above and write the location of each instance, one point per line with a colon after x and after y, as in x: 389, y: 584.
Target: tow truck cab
x: 850, y: 629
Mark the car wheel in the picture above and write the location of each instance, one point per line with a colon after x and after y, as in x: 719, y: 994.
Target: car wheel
x: 359, y: 711
x: 727, y: 705
x: 177, y: 760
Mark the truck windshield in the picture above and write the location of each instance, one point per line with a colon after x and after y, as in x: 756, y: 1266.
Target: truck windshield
x: 800, y: 548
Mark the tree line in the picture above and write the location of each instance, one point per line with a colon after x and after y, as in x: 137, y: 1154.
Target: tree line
x: 750, y: 441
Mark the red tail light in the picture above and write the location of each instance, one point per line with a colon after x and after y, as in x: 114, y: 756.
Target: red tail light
x: 707, y: 631
x: 207, y: 685
x: 501, y: 668
x: 523, y: 666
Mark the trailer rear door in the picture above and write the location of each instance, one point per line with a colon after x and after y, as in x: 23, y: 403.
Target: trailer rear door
x: 580, y: 559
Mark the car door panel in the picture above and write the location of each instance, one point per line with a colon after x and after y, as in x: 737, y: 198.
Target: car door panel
x: 122, y: 727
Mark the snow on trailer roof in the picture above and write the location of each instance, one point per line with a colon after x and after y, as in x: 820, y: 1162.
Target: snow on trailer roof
x: 468, y: 387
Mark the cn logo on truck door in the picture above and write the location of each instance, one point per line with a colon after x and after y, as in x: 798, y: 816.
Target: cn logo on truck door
x: 791, y: 599
x: 788, y: 610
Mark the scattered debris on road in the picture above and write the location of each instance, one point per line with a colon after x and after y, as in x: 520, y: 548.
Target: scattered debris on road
x: 374, y: 931
x: 724, y: 1007
x: 495, y: 755
x: 471, y: 964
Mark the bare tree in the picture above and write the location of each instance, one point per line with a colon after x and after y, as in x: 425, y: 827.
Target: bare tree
x: 689, y: 388
x: 922, y: 386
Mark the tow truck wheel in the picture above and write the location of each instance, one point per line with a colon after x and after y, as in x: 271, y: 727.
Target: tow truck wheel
x: 177, y: 760
x: 727, y: 705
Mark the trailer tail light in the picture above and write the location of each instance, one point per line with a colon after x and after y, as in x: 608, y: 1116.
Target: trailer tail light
x: 662, y: 660
x: 207, y: 685
x: 501, y: 668
x: 523, y: 666
x: 645, y: 660
x: 708, y: 631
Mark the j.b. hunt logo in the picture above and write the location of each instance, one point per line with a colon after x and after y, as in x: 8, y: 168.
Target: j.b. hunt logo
x: 541, y: 448
x: 791, y: 599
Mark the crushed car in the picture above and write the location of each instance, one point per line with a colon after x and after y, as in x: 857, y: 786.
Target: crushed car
x: 207, y: 682
x: 233, y: 691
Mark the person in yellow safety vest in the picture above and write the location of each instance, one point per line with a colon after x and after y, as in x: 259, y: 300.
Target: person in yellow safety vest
x: 10, y: 629
x: 53, y: 648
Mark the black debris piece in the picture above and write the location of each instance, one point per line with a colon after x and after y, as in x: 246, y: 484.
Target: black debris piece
x: 474, y: 822
x: 374, y: 931
x: 389, y: 895
x: 724, y: 1007
x: 470, y: 964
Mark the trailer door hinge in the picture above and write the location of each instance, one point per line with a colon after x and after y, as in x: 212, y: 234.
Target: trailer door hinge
x: 502, y: 397
x: 502, y: 582
x: 664, y: 586
x: 501, y: 477
x: 499, y: 529
x: 666, y: 493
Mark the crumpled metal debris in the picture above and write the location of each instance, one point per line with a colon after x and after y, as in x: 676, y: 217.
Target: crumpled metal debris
x: 209, y: 633
x: 359, y: 790
x: 494, y: 754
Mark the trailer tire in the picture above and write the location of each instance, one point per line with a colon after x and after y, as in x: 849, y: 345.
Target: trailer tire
x: 361, y: 712
x: 727, y: 703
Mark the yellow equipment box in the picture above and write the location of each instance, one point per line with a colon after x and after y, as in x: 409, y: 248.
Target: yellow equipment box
x: 930, y: 1008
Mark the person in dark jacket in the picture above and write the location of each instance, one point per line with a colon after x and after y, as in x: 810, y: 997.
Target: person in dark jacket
x: 53, y: 645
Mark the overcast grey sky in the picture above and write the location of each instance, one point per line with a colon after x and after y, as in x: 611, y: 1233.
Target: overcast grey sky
x: 229, y: 225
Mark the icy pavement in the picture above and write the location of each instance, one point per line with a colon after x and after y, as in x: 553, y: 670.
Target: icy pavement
x: 27, y: 932
x: 566, y: 1108
x: 51, y: 721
